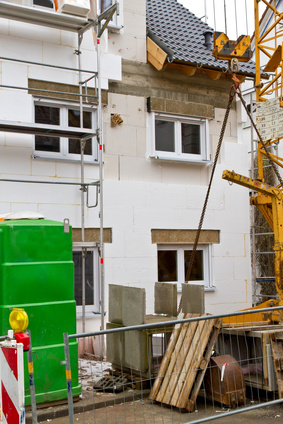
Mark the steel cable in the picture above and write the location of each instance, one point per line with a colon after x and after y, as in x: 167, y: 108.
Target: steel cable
x: 222, y: 132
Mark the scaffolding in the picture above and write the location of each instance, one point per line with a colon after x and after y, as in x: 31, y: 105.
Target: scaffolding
x: 79, y: 25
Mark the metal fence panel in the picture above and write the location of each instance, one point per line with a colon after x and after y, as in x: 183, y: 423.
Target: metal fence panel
x: 192, y: 370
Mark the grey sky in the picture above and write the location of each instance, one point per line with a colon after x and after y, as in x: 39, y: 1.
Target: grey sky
x: 239, y: 15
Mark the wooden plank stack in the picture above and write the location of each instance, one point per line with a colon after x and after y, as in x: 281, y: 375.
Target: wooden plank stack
x: 184, y: 363
x: 276, y: 340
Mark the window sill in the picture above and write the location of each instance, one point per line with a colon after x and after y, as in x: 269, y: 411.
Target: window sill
x: 61, y: 159
x: 114, y: 27
x: 88, y: 315
x: 206, y: 289
x: 190, y: 161
x: 210, y: 289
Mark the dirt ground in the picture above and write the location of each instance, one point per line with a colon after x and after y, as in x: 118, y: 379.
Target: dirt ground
x: 145, y: 411
x: 133, y: 406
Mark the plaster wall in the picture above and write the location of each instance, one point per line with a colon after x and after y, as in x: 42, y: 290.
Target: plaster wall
x: 130, y: 41
x: 36, y: 43
x: 143, y: 193
x: 131, y: 259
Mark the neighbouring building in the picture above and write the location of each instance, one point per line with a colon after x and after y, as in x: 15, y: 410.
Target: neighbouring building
x: 164, y: 97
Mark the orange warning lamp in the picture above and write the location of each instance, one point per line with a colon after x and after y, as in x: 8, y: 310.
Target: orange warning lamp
x: 18, y: 320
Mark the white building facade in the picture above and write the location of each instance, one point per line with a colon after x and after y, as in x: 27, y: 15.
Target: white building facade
x: 153, y: 188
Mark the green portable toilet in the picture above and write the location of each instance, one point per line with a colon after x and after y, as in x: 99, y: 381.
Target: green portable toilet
x: 37, y: 274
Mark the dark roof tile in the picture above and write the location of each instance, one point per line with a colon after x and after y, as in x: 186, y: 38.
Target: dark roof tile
x: 182, y: 32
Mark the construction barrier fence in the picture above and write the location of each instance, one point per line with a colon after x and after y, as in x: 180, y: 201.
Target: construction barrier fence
x: 190, y: 370
x: 13, y: 390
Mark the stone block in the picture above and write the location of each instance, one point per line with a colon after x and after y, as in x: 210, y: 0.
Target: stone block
x: 165, y: 299
x: 115, y: 303
x: 157, y: 104
x: 115, y: 346
x: 184, y: 236
x: 193, y: 109
x: 133, y: 306
x: 193, y: 299
x: 136, y: 351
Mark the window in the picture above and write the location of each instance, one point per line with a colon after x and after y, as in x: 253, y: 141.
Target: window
x: 178, y: 138
x: 103, y: 5
x: 44, y: 3
x: 64, y: 116
x: 173, y: 262
x: 92, y: 292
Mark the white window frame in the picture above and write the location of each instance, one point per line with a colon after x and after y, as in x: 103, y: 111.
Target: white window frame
x: 64, y: 154
x: 177, y: 155
x: 207, y: 264
x: 95, y: 307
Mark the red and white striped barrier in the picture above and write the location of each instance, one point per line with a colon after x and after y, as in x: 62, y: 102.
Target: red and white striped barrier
x: 12, y: 392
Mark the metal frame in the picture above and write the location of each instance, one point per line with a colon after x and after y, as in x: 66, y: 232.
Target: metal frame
x: 46, y: 130
x: 274, y: 65
x: 153, y: 327
x: 49, y: 18
x: 79, y: 25
x: 268, y: 199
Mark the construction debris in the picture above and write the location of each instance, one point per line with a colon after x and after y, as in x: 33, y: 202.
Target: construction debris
x: 112, y: 383
x: 276, y: 340
x: 225, y: 382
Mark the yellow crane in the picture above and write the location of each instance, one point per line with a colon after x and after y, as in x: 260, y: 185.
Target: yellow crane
x: 269, y: 199
x: 268, y: 37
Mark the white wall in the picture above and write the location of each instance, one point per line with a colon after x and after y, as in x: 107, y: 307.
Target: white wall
x: 23, y: 41
x: 140, y: 193
x: 143, y: 194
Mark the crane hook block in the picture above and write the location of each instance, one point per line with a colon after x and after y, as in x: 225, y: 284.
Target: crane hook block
x: 226, y: 49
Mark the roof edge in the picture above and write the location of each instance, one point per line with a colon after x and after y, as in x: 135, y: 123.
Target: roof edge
x: 160, y: 44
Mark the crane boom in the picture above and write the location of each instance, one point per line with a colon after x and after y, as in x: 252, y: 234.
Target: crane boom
x: 269, y: 199
x: 270, y: 202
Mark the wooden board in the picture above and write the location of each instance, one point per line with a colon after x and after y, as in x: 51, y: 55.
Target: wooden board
x: 184, y: 363
x: 162, y: 374
x: 155, y: 55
